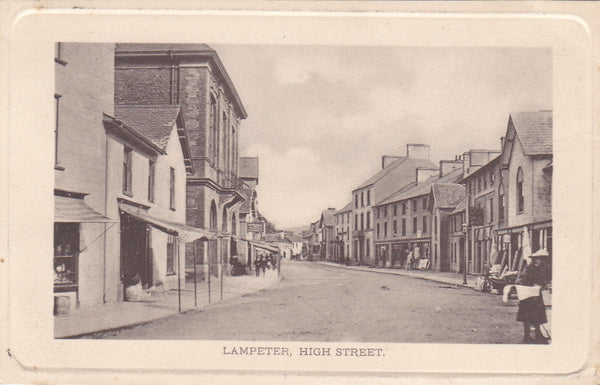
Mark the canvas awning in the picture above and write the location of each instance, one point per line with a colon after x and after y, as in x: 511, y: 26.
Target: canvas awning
x: 75, y: 210
x: 184, y: 233
x: 265, y: 246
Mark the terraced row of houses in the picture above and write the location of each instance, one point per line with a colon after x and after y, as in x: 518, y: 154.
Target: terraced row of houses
x: 460, y: 212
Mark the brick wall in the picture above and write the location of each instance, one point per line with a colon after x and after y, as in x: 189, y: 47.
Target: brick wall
x: 142, y: 86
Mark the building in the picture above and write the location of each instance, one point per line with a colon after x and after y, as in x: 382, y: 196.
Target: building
x: 525, y: 186
x: 456, y: 238
x: 193, y: 77
x: 482, y: 207
x: 342, y: 219
x: 86, y: 265
x: 326, y: 234
x: 396, y: 172
x: 445, y: 199
x: 403, y: 219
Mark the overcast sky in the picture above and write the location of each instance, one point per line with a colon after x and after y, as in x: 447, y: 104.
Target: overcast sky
x: 321, y: 117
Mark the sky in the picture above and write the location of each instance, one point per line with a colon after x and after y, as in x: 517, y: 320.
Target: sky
x: 321, y: 117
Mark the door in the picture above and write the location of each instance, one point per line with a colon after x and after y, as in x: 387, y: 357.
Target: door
x: 136, y: 258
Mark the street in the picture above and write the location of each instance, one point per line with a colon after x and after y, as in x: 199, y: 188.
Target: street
x: 321, y: 303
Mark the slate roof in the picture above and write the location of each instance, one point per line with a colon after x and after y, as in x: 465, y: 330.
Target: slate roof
x: 414, y: 190
x: 346, y: 208
x: 248, y: 167
x: 448, y: 195
x: 461, y: 207
x: 382, y: 173
x: 327, y: 216
x: 534, y: 130
x: 154, y: 123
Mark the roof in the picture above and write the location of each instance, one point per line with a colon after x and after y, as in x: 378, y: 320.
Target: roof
x: 486, y: 166
x: 382, y: 173
x: 327, y: 216
x: 346, y: 208
x: 155, y: 123
x: 414, y: 190
x: 448, y: 195
x: 460, y: 208
x: 294, y: 237
x: 534, y: 130
x: 248, y: 167
x: 150, y: 49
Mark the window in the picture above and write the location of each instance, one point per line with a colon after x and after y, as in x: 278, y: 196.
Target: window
x: 424, y: 203
x: 66, y: 253
x: 385, y: 229
x: 368, y: 247
x: 492, y: 177
x: 355, y: 221
x: 395, y: 228
x: 484, y: 181
x: 368, y: 197
x: 362, y: 221
x: 395, y: 209
x: 377, y: 213
x: 127, y: 164
x: 414, y: 225
x: 356, y: 201
x: 425, y: 223
x: 151, y: 171
x: 385, y: 211
x: 403, y: 208
x: 378, y: 233
x: 501, y: 202
x: 403, y: 226
x: 172, y: 188
x: 520, y: 196
x: 368, y: 220
x: 171, y: 242
x: 57, y: 111
x: 362, y: 199
x: 213, y: 129
x: 491, y: 209
x: 414, y: 205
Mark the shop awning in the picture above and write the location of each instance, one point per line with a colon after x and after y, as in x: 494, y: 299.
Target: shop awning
x: 75, y: 210
x: 264, y: 246
x: 184, y: 233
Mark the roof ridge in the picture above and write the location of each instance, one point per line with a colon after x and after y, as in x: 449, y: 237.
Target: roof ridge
x: 383, y: 172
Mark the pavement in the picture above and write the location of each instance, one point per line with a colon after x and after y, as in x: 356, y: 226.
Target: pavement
x: 450, y: 278
x: 159, y: 305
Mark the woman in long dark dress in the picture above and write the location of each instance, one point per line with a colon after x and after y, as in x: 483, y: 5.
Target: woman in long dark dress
x: 532, y: 310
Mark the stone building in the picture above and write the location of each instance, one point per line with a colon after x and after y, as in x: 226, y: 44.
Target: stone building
x: 193, y: 77
x: 326, y: 234
x: 525, y: 186
x: 445, y: 198
x: 396, y: 172
x: 342, y: 219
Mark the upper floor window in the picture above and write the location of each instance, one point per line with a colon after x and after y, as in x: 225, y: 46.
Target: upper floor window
x: 355, y: 221
x: 378, y: 233
x: 491, y: 209
x: 214, y: 131
x: 368, y: 220
x: 484, y: 181
x: 377, y: 212
x: 368, y: 197
x: 172, y: 188
x: 403, y: 208
x: 151, y: 172
x: 520, y: 196
x: 127, y: 166
x: 403, y: 226
x: 424, y: 203
x: 395, y: 209
x: 395, y: 228
x: 385, y: 229
x: 385, y: 211
x: 362, y: 221
x: 492, y: 177
x: 414, y: 226
x: 425, y: 223
x: 362, y: 199
x: 356, y: 201
x: 414, y: 205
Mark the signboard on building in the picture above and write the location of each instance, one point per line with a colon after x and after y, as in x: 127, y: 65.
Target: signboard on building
x: 256, y: 227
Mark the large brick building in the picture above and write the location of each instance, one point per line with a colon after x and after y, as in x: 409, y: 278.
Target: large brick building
x: 193, y: 77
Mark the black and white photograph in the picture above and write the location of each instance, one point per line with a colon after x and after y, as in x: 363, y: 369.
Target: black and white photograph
x: 378, y: 171
x: 292, y: 193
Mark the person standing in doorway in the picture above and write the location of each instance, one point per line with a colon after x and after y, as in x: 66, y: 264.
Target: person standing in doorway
x: 532, y: 310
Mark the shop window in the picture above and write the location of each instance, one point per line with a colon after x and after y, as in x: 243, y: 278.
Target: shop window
x: 127, y: 166
x: 151, y: 172
x: 520, y: 196
x: 171, y: 244
x: 172, y: 188
x: 66, y: 254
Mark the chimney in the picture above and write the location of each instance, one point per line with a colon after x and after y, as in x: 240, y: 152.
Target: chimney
x: 424, y: 173
x: 417, y: 151
x: 447, y: 166
x: 387, y: 159
x: 466, y: 163
x: 502, y: 141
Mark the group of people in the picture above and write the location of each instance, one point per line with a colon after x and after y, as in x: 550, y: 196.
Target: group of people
x: 263, y: 262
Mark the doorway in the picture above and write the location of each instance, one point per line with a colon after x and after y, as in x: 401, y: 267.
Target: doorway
x: 136, y: 255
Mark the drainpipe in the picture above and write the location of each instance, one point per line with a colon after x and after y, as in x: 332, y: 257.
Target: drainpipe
x: 106, y: 215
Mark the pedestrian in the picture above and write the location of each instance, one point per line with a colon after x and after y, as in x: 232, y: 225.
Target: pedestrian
x: 263, y: 265
x: 532, y: 310
x: 257, y: 265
